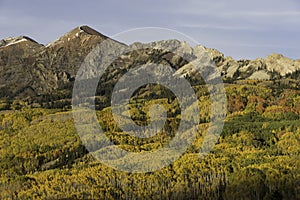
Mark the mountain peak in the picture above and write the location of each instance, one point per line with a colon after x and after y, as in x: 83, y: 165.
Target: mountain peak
x: 15, y: 40
x: 83, y: 31
x: 281, y: 64
x: 89, y: 30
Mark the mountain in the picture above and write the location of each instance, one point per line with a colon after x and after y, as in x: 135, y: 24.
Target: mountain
x: 44, y: 75
x: 275, y: 66
x: 29, y: 69
x: 17, y: 55
x: 43, y: 155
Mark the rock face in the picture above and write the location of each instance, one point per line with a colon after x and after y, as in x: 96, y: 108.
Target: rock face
x: 282, y: 65
x: 275, y: 66
x: 29, y: 70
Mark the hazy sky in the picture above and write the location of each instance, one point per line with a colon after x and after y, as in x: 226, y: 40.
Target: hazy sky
x: 238, y: 28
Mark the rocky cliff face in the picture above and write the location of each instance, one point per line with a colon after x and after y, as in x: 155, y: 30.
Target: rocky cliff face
x: 275, y: 66
x: 29, y: 70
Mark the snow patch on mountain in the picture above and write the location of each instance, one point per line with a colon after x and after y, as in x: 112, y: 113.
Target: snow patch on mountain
x: 11, y: 41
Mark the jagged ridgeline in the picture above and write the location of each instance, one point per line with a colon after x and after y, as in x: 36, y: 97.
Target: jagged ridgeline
x: 44, y: 75
x: 42, y: 156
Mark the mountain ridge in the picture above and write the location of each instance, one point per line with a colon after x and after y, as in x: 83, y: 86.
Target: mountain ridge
x: 29, y: 70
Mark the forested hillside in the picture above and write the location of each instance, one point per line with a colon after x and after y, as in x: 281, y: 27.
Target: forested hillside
x: 257, y: 156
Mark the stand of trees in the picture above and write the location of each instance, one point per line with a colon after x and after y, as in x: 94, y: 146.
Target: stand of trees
x: 256, y: 157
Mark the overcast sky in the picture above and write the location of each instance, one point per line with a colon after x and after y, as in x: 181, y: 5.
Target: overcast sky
x: 238, y: 28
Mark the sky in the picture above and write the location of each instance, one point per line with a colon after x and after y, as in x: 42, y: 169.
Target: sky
x: 237, y: 28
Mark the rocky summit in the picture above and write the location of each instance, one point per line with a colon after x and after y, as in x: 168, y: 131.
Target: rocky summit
x: 41, y: 74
